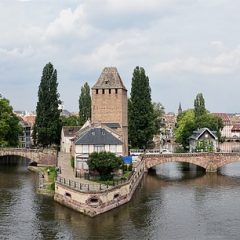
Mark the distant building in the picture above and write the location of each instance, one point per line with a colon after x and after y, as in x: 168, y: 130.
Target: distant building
x: 169, y: 120
x: 25, y: 137
x: 203, y: 140
x: 231, y: 124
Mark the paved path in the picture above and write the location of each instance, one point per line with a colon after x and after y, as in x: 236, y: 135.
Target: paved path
x: 67, y: 172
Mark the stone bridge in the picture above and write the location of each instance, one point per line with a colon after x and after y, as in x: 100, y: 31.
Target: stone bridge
x: 210, y: 161
x: 41, y: 156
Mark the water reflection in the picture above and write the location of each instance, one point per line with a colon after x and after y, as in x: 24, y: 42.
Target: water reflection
x: 176, y: 201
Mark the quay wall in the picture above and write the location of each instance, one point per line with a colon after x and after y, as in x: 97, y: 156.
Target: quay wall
x: 92, y: 202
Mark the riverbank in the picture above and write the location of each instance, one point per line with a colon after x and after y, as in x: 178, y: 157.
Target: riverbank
x: 93, y: 199
x: 46, y: 179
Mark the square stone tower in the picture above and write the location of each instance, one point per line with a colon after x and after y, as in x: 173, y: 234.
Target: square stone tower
x: 110, y: 103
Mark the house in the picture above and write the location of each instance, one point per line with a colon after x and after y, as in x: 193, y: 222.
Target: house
x: 94, y: 138
x: 203, y: 140
x: 67, y: 134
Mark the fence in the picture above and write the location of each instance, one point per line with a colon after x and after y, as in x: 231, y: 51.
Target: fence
x: 86, y: 187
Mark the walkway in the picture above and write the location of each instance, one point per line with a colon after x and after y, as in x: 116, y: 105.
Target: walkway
x: 68, y: 176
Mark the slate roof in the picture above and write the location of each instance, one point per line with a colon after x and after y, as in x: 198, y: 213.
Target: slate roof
x: 109, y: 78
x: 197, y: 134
x: 70, y: 131
x: 97, y: 136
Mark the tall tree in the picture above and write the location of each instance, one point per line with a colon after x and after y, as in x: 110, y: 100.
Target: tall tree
x: 158, y: 112
x: 141, y: 115
x: 47, y: 126
x: 84, y: 104
x: 9, y: 125
x: 199, y: 105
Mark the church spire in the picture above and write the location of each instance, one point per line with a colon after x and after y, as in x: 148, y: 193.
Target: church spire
x: 179, y: 109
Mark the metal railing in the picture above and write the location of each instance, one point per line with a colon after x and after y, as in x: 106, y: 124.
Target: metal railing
x: 88, y: 187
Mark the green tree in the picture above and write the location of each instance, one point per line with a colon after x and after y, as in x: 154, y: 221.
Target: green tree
x: 194, y: 119
x: 141, y: 114
x: 70, y: 120
x: 158, y: 112
x: 47, y: 126
x: 10, y: 128
x: 104, y: 163
x: 84, y: 104
x: 199, y: 105
x: 185, y: 127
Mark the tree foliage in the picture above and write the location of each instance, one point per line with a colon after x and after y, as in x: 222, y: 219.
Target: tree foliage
x: 194, y: 119
x: 158, y: 112
x: 104, y: 163
x: 84, y: 104
x: 141, y: 114
x: 10, y: 128
x: 185, y: 127
x: 199, y: 106
x: 70, y: 120
x: 47, y: 125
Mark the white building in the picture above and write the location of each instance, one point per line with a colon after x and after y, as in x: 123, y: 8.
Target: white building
x: 95, y: 138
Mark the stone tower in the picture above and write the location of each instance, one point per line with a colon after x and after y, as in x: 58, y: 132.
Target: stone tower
x: 110, y: 103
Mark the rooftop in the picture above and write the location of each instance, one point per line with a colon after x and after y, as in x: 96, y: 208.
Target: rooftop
x: 109, y: 78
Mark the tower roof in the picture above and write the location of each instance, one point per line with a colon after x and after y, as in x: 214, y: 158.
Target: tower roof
x: 109, y: 78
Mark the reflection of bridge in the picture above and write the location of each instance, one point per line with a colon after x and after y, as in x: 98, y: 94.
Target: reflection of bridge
x: 41, y: 156
x: 210, y: 161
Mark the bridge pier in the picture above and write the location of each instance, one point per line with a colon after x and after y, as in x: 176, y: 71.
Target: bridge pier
x: 211, y: 167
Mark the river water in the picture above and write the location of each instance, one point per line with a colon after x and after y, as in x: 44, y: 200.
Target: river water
x: 175, y: 201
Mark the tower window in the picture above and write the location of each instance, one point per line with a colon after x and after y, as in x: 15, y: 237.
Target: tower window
x: 96, y: 91
x: 116, y: 91
x: 103, y: 91
x: 109, y: 91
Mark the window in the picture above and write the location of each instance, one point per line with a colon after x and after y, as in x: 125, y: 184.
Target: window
x: 116, y: 91
x: 85, y: 149
x: 96, y: 91
x: 99, y: 148
x: 113, y: 148
x: 109, y: 91
x: 103, y: 91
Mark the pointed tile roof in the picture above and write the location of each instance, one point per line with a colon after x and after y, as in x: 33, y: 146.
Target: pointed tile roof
x: 109, y: 78
x: 198, y: 133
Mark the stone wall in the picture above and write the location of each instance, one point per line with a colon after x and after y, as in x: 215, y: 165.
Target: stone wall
x: 41, y: 156
x: 93, y: 203
x: 210, y: 161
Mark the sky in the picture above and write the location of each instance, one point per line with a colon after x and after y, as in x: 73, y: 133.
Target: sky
x: 185, y: 46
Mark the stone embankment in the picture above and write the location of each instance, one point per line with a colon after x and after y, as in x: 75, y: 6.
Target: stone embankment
x: 94, y: 199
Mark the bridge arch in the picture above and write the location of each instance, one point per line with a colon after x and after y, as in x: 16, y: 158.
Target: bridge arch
x: 209, y: 161
x: 151, y: 161
x: 40, y: 156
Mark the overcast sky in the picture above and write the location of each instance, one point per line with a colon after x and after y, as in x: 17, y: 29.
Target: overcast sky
x: 185, y: 47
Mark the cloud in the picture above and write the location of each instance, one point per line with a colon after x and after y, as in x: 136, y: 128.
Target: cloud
x: 226, y: 62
